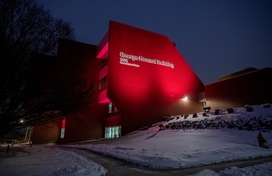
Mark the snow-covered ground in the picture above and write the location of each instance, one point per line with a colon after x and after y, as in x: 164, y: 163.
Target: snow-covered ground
x: 257, y: 170
x: 181, y: 142
x: 46, y: 161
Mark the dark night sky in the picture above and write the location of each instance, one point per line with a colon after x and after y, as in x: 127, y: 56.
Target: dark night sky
x: 216, y: 37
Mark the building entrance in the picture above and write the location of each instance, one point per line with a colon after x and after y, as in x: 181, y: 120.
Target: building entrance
x: 113, y: 132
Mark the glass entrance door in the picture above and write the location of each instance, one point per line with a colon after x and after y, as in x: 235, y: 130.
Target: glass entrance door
x: 113, y: 132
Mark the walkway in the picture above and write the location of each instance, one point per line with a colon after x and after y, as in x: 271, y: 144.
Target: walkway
x: 119, y: 168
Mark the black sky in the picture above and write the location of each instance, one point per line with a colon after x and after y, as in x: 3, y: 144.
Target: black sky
x: 216, y: 37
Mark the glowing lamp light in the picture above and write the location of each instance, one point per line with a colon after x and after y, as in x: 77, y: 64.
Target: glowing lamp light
x: 185, y: 98
x: 21, y: 120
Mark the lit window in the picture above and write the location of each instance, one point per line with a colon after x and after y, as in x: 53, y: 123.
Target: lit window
x: 63, y: 124
x: 102, y: 82
x: 62, y: 132
x: 110, y: 108
x: 103, y: 62
x: 113, y: 132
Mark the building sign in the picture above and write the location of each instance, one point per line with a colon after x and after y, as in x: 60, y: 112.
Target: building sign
x: 134, y: 61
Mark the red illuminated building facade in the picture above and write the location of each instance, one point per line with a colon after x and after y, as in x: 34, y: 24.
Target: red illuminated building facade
x: 140, y: 77
x: 146, y: 78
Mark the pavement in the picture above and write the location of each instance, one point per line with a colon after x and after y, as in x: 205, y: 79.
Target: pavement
x: 120, y: 168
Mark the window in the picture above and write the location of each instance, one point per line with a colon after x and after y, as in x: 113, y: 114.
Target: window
x: 63, y: 124
x: 102, y: 82
x: 103, y: 62
x: 62, y: 132
x: 113, y: 132
x: 110, y: 108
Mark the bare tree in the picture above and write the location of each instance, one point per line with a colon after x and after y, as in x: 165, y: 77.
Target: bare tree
x: 28, y: 31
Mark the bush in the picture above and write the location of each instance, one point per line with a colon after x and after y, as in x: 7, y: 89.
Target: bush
x: 207, y: 109
x: 266, y: 105
x: 249, y: 109
x: 216, y: 112
x: 230, y: 110
x: 161, y: 125
x: 165, y: 118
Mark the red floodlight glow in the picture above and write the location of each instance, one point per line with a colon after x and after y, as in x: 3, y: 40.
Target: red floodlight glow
x: 102, y: 98
x: 103, y: 51
x: 146, y: 76
x: 63, y: 123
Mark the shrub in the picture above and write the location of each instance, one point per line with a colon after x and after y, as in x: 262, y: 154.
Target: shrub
x: 216, y: 112
x: 249, y: 109
x: 161, y: 125
x: 266, y: 106
x: 230, y: 110
x: 207, y: 109
x: 165, y: 118
x: 195, y: 115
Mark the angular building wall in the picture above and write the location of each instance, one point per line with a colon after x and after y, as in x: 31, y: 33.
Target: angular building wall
x: 250, y: 88
x: 81, y: 63
x: 148, y: 78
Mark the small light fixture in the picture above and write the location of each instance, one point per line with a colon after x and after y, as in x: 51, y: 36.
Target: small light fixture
x: 185, y: 98
x: 21, y: 120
